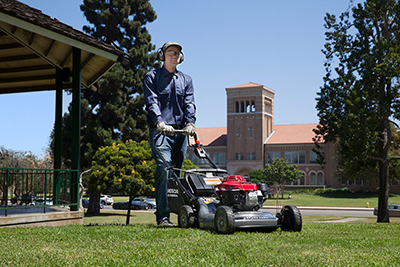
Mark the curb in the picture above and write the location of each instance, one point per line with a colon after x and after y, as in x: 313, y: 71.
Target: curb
x: 324, y: 208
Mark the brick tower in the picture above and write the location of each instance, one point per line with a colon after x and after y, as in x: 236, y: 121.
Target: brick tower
x: 250, y: 115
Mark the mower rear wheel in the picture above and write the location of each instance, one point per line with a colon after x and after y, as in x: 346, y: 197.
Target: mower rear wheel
x: 186, y: 217
x: 224, y: 220
x: 291, y: 219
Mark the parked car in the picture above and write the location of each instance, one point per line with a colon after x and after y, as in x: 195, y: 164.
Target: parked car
x: 26, y: 199
x: 39, y: 202
x: 106, y: 200
x: 394, y: 210
x: 136, y: 205
x: 85, y: 203
x: 151, y: 204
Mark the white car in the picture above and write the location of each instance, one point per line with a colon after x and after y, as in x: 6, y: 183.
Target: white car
x: 394, y: 210
x: 106, y: 200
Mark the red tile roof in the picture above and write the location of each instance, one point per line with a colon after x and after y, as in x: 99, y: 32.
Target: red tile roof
x: 283, y: 134
x: 292, y: 134
x: 250, y: 84
x: 212, y: 136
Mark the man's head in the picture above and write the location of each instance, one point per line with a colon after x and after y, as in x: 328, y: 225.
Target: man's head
x: 170, y: 49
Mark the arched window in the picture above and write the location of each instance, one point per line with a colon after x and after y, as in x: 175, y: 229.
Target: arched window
x: 247, y: 106
x: 253, y: 107
x: 302, y: 180
x: 313, y: 179
x: 320, y: 178
x: 237, y: 106
x: 242, y: 106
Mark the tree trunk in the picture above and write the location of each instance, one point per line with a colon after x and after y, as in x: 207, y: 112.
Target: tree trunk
x: 128, y: 213
x: 81, y: 189
x: 383, y: 201
x: 94, y: 203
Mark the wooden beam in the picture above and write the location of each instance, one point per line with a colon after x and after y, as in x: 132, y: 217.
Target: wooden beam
x: 10, y: 46
x: 59, y: 37
x: 62, y: 64
x: 87, y: 60
x: 27, y: 69
x: 76, y: 126
x: 49, y: 48
x: 47, y: 87
x: 58, y: 134
x: 15, y: 58
x: 32, y: 38
x: 27, y: 78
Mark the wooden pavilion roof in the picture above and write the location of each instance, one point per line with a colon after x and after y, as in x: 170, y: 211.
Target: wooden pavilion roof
x: 33, y: 44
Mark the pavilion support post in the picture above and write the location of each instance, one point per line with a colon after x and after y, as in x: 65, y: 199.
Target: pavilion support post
x: 58, y: 135
x: 76, y: 127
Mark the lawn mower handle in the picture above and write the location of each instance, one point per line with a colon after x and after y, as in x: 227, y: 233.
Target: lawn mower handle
x: 200, y: 153
x: 176, y: 131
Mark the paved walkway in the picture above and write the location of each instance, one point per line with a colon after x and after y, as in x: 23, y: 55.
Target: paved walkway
x: 324, y: 208
x: 344, y: 220
x: 341, y: 220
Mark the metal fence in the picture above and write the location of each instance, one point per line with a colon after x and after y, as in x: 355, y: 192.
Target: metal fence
x: 37, y: 188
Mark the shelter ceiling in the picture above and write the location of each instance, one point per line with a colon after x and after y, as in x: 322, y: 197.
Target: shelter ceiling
x: 32, y: 45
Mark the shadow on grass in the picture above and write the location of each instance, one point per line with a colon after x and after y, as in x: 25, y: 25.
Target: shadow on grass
x: 107, y: 214
x: 147, y: 225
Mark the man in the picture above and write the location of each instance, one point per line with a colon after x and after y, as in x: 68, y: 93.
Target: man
x: 170, y: 105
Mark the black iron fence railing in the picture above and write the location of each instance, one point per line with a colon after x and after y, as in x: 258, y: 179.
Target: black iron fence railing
x: 37, y: 188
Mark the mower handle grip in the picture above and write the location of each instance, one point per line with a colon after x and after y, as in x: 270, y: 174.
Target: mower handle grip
x: 175, y: 131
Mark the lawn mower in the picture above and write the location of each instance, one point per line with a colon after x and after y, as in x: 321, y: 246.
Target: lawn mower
x: 212, y: 199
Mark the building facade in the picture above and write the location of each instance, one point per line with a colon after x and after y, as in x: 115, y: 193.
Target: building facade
x: 251, y: 140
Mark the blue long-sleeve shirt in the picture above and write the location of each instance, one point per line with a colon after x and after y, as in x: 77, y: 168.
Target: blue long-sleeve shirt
x: 169, y: 97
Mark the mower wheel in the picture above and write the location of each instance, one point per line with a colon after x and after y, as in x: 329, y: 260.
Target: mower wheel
x: 224, y: 220
x: 291, y: 219
x: 186, y: 218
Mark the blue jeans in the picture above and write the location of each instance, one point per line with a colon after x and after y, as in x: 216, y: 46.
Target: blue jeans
x: 173, y: 150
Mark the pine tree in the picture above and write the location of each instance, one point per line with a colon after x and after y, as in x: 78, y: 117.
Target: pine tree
x: 113, y: 109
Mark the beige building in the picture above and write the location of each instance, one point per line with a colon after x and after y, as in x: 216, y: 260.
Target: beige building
x: 251, y: 140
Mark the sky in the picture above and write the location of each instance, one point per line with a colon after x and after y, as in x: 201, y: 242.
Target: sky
x: 225, y: 43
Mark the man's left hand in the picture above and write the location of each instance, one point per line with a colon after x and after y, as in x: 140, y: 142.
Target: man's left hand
x: 189, y: 129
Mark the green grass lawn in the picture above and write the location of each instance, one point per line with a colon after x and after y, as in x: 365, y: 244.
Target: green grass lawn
x: 105, y: 240
x: 318, y: 244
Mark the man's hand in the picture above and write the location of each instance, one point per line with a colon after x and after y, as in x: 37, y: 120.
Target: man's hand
x: 166, y: 129
x: 189, y: 129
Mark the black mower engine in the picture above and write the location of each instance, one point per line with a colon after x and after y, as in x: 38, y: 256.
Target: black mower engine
x: 236, y: 192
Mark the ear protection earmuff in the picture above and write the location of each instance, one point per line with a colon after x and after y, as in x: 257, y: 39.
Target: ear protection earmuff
x: 161, y: 56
